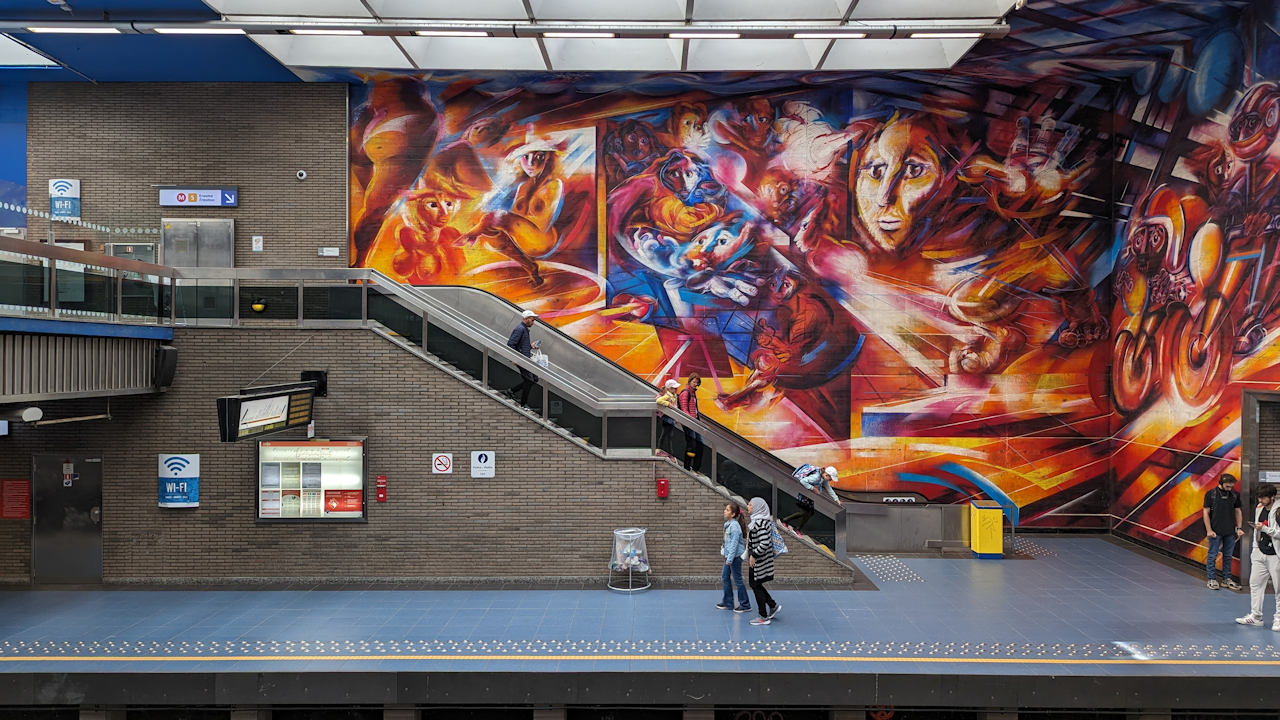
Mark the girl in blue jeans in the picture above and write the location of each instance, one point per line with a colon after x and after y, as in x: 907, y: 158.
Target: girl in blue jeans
x: 731, y: 550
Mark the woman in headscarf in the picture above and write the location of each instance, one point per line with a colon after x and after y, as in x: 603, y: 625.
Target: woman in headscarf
x: 760, y: 559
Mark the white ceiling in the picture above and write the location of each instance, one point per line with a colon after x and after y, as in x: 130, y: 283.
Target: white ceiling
x: 516, y: 26
x: 622, y: 10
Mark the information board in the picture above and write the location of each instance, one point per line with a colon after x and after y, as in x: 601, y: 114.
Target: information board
x: 262, y: 411
x: 311, y: 480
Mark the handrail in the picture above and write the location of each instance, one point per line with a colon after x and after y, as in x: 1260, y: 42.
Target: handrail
x: 82, y: 257
x: 767, y: 466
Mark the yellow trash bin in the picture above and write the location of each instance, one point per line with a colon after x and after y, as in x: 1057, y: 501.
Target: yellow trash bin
x: 986, y: 529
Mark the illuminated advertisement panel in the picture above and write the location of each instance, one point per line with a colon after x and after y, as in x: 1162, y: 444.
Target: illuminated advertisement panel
x: 311, y: 480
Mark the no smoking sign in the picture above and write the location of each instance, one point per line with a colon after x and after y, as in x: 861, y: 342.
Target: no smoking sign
x: 442, y: 463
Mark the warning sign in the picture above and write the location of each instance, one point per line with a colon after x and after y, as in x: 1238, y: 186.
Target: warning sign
x: 442, y: 463
x: 15, y: 499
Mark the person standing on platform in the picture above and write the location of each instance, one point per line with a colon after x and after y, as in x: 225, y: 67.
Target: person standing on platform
x: 667, y: 399
x: 1223, y: 525
x: 1264, y: 564
x: 731, y: 549
x: 760, y: 559
x: 523, y: 344
x: 687, y: 401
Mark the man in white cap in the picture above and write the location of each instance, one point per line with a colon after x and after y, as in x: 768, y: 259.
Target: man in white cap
x: 523, y: 344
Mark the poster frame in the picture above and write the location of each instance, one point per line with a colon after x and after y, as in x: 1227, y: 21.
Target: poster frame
x: 364, y: 481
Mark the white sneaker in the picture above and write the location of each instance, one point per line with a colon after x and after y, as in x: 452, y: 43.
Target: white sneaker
x: 1249, y: 620
x: 1275, y: 626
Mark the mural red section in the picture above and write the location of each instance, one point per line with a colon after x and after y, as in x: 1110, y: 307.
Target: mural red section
x: 903, y: 282
x: 1044, y: 278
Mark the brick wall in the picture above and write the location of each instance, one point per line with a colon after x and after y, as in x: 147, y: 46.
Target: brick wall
x: 1268, y: 459
x: 122, y: 139
x: 548, y: 513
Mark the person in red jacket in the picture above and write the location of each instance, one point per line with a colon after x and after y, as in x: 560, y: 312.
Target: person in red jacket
x: 687, y: 401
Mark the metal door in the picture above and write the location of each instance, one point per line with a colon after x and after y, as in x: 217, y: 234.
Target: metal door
x: 66, y: 537
x: 187, y: 242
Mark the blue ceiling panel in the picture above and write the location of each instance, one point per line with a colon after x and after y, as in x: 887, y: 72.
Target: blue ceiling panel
x: 153, y: 10
x: 161, y: 58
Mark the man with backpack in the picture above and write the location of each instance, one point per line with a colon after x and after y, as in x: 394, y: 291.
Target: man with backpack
x: 1223, y: 525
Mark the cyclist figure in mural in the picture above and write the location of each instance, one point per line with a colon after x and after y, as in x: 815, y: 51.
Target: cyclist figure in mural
x: 520, y: 224
x: 1250, y: 213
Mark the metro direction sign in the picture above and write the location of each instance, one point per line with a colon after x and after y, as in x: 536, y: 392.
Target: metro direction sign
x: 200, y: 197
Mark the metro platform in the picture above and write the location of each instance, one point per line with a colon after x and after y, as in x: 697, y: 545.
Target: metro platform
x: 1069, y: 622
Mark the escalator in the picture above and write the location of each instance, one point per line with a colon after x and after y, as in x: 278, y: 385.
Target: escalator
x: 583, y: 395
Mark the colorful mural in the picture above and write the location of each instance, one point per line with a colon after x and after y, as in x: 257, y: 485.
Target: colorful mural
x: 900, y: 280
x: 1017, y: 280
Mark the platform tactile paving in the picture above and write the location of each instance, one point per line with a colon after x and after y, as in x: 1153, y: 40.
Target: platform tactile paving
x: 1024, y: 546
x: 888, y: 568
x: 710, y: 649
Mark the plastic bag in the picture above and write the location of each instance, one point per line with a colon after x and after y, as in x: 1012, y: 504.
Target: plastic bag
x: 540, y: 358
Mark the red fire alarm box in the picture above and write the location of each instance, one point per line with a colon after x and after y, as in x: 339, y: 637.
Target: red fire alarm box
x: 382, y: 488
x: 662, y: 487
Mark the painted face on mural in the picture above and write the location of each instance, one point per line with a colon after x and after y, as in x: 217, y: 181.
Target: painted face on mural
x: 1255, y: 122
x: 533, y: 163
x: 690, y: 125
x: 717, y: 246
x: 756, y: 121
x: 432, y: 210
x: 899, y: 173
x: 690, y: 179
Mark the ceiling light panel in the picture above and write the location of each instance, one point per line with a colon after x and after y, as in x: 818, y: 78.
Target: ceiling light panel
x: 436, y: 53
x: 929, y: 9
x: 15, y: 54
x: 780, y: 55
x: 896, y: 54
x: 298, y: 8
x: 749, y: 10
x: 450, y: 9
x: 330, y: 51
x: 597, y: 11
x: 633, y: 54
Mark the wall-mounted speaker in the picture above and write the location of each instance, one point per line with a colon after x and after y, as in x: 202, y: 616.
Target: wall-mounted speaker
x: 320, y: 378
x: 166, y: 366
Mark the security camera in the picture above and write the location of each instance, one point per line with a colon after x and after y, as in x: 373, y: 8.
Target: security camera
x: 302, y: 174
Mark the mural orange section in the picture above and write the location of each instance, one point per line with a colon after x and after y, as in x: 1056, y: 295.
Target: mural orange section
x: 1002, y: 282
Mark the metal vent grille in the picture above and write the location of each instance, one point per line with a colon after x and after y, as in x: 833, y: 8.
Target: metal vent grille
x: 48, y: 367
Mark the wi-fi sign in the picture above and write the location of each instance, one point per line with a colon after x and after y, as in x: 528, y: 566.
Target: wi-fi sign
x: 62, y: 187
x: 176, y: 464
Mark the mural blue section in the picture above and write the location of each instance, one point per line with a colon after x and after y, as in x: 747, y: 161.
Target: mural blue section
x: 13, y: 152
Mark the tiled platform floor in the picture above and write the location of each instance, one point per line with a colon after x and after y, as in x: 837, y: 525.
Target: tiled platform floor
x: 1077, y: 605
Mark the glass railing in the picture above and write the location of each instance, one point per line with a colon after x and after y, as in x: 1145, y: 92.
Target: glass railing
x: 624, y: 419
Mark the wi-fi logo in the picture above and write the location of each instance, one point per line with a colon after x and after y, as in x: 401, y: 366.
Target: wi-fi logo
x: 176, y: 464
x: 61, y: 187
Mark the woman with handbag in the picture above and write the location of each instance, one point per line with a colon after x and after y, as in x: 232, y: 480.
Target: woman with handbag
x: 760, y: 557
